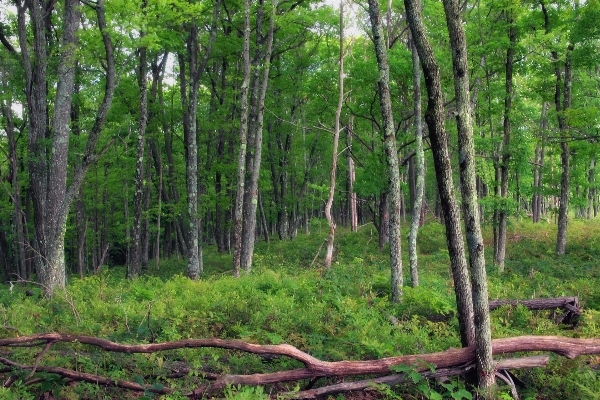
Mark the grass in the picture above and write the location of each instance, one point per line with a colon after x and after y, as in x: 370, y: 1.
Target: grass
x: 340, y: 314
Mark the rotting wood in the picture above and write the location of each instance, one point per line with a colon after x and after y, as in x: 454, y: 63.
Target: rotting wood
x: 570, y: 305
x: 397, y: 379
x: 449, y: 359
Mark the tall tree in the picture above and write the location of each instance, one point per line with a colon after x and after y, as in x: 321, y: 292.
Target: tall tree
x: 500, y: 248
x: 48, y: 166
x: 434, y: 116
x: 336, y: 139
x: 197, y: 66
x: 418, y: 168
x: 261, y: 62
x: 389, y: 144
x: 135, y: 264
x: 466, y: 149
x: 241, y: 167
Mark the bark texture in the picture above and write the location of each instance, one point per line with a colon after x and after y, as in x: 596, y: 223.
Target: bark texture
x: 466, y: 154
x: 434, y: 117
x: 389, y: 145
x: 336, y: 140
x: 419, y: 169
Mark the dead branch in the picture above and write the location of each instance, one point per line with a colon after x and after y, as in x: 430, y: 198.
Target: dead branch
x: 393, y: 380
x: 452, y: 359
x: 85, y: 377
x: 570, y: 305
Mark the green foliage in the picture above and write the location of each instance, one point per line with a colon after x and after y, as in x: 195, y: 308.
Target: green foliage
x: 343, y: 313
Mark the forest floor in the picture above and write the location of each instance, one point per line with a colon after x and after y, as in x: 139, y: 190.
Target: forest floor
x: 338, y: 314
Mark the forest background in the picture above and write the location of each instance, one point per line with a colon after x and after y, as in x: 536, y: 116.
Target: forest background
x: 134, y: 132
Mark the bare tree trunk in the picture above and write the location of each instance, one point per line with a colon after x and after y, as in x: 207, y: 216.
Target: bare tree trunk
x: 503, y: 212
x: 466, y: 148
x: 336, y: 138
x: 591, y: 188
x: 254, y: 161
x: 563, y: 210
x: 14, y: 181
x: 418, y: 169
x: 51, y: 197
x: 241, y: 172
x: 138, y: 195
x: 538, y: 168
x: 389, y: 144
x: 190, y: 127
x: 351, y: 179
x: 437, y: 134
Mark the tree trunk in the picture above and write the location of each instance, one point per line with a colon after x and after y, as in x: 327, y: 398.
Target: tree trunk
x: 135, y: 264
x: 21, y: 267
x: 336, y: 137
x: 389, y: 144
x: 254, y: 160
x: 466, y: 149
x: 591, y: 188
x: 190, y: 127
x: 503, y: 212
x: 417, y: 169
x: 538, y: 168
x: 351, y: 179
x: 241, y: 171
x: 439, y: 139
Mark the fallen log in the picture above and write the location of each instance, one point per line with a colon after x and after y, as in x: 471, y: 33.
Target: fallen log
x: 451, y: 358
x: 570, y: 305
x: 398, y: 379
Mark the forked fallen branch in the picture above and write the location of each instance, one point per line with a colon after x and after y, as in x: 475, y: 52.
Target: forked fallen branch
x: 570, y: 306
x: 450, y: 359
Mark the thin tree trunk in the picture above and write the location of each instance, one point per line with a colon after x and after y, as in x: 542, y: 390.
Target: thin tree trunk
x: 466, y: 148
x: 351, y: 179
x: 254, y: 161
x: 138, y: 195
x: 196, y: 67
x: 418, y: 169
x: 241, y: 172
x: 14, y: 181
x: 437, y: 134
x: 503, y: 212
x: 336, y: 137
x: 389, y: 144
x: 591, y: 188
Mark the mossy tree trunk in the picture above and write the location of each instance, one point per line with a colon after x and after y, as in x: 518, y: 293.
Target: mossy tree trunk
x: 466, y: 149
x: 418, y: 164
x: 435, y: 118
x: 389, y: 144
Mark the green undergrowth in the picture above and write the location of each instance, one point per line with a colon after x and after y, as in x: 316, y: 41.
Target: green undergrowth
x: 340, y: 314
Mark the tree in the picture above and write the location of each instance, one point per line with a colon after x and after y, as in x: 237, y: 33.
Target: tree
x: 466, y: 149
x: 389, y: 144
x: 434, y: 116
x: 418, y: 168
x: 136, y: 248
x: 48, y: 166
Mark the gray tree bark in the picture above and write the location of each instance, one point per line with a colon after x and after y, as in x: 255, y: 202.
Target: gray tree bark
x: 466, y: 149
x: 48, y: 167
x: 336, y: 139
x: 562, y: 103
x: 241, y: 172
x: 190, y: 102
x: 434, y: 117
x: 389, y: 144
x: 505, y: 153
x: 135, y: 264
x: 253, y: 159
x: 418, y: 167
x: 538, y: 168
